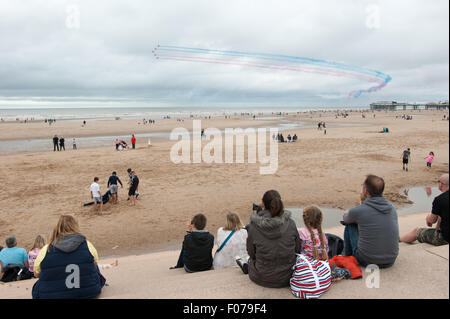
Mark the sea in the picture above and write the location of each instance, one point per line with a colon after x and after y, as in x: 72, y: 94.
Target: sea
x: 139, y: 113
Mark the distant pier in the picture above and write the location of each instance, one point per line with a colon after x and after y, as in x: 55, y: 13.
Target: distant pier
x: 393, y: 105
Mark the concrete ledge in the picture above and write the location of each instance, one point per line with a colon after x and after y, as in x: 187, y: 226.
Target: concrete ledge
x: 421, y: 271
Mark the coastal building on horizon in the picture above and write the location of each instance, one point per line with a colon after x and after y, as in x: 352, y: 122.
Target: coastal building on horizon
x: 394, y: 105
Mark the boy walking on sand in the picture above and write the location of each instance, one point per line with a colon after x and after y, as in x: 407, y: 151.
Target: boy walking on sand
x: 133, y: 189
x: 130, y: 179
x: 114, y: 187
x: 96, y: 195
x: 406, y: 156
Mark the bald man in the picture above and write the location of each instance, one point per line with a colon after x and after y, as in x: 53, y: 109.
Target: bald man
x: 438, y: 235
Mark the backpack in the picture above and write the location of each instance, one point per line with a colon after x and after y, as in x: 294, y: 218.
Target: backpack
x: 311, y: 277
x: 14, y: 272
x: 10, y: 273
x: 335, y: 245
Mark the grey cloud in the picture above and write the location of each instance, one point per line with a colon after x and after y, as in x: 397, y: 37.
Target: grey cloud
x: 109, y: 57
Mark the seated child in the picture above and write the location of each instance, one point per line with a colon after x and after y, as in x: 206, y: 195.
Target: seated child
x: 196, y: 254
x: 314, y: 241
x: 39, y: 242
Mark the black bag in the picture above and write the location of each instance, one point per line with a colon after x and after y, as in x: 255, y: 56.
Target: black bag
x: 10, y: 273
x: 25, y: 274
x: 16, y: 272
x: 335, y: 245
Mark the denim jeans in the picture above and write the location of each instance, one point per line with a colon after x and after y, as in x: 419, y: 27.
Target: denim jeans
x: 351, y: 238
x: 180, y: 262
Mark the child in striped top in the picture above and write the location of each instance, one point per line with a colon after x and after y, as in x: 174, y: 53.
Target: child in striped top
x: 314, y: 241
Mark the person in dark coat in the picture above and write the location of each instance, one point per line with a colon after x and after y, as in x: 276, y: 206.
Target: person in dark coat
x: 196, y: 254
x: 55, y: 143
x: 61, y: 144
x: 67, y: 267
x: 272, y: 244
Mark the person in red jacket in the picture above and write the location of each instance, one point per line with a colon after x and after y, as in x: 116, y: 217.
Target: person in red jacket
x: 133, y: 141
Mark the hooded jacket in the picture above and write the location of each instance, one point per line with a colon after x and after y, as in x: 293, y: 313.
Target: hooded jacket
x: 57, y: 269
x: 272, y: 245
x: 378, y: 230
x: 197, y: 246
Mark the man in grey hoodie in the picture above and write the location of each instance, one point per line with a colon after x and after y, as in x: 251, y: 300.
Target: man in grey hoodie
x: 371, y: 231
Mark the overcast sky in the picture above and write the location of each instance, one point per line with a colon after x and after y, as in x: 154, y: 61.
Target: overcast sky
x: 98, y: 53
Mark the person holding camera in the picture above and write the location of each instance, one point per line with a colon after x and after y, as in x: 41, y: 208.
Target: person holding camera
x: 196, y: 253
x: 272, y: 244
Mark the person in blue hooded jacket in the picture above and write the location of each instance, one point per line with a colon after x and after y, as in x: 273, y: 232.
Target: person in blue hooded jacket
x: 67, y: 266
x: 371, y: 233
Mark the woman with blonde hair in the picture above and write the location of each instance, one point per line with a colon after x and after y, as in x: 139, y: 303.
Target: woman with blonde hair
x: 39, y: 242
x: 314, y: 241
x: 67, y: 266
x: 231, y: 242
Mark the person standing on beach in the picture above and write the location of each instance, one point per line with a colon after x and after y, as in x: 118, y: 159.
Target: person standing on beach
x: 438, y: 235
x: 371, y: 232
x: 96, y: 195
x: 117, y: 144
x: 130, y: 179
x: 133, y: 141
x: 74, y: 144
x: 406, y: 156
x: 430, y: 158
x: 113, y: 187
x: 55, y: 143
x: 61, y: 144
x: 133, y: 189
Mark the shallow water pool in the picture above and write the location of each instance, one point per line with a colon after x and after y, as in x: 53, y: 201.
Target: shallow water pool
x: 422, y: 198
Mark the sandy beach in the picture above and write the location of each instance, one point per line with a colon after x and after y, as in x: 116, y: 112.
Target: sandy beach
x: 326, y: 170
